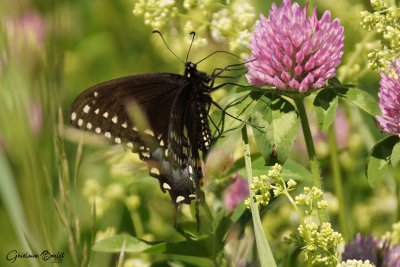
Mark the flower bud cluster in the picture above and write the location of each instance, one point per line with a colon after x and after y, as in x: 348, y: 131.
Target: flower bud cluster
x: 263, y: 185
x: 321, y: 243
x: 218, y: 23
x: 156, y: 12
x: 385, y: 21
x: 355, y: 263
x: 311, y: 199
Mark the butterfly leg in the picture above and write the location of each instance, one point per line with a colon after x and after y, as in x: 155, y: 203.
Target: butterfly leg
x: 229, y: 83
x: 230, y: 115
x: 197, y: 208
x: 175, y: 215
x: 224, y: 111
x: 231, y: 77
x: 219, y: 71
x: 216, y: 128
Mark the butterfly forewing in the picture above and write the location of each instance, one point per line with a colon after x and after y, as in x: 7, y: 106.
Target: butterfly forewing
x: 103, y: 108
x: 177, y: 125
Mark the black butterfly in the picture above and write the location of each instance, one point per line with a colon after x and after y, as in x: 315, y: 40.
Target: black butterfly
x: 176, y: 107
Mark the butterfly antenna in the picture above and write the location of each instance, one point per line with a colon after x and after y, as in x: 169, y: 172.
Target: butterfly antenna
x: 193, y: 34
x: 216, y: 52
x: 162, y: 37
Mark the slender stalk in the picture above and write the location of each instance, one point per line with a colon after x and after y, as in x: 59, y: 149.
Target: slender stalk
x: 398, y: 198
x: 337, y: 181
x: 264, y: 250
x: 310, y: 7
x: 314, y: 164
x: 337, y: 175
x: 302, y: 221
x: 396, y: 178
x: 301, y: 217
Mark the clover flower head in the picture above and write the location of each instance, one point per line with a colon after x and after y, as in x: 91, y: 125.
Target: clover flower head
x: 236, y: 192
x: 391, y: 257
x: 389, y: 100
x: 362, y: 248
x: 291, y: 50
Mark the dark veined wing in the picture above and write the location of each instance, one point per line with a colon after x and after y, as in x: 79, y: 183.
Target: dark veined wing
x: 188, y: 133
x: 102, y: 109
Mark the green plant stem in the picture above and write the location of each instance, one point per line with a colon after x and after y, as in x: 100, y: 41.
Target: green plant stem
x: 337, y: 181
x: 398, y: 199
x: 314, y: 164
x: 336, y: 173
x: 396, y: 178
x: 310, y: 7
x: 301, y: 218
x: 264, y: 250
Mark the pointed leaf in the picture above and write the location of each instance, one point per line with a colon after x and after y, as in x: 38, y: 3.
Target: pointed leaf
x: 379, y: 158
x: 395, y: 157
x: 360, y: 98
x: 280, y: 123
x: 325, y: 104
x: 240, y: 106
x: 115, y: 243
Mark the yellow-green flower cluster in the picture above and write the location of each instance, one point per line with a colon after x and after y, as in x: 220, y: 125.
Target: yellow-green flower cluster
x: 311, y: 198
x: 261, y: 186
x: 214, y: 22
x: 394, y: 236
x: 234, y: 23
x: 101, y: 197
x: 385, y: 20
x: 321, y: 243
x: 156, y: 12
x: 355, y: 263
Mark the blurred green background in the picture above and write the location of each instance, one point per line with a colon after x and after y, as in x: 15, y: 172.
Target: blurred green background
x: 50, y: 51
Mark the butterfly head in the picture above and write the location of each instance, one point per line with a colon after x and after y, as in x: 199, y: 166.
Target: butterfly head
x: 191, y: 72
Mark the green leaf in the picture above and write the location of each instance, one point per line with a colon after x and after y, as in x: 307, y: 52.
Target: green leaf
x: 200, y: 250
x: 12, y: 204
x: 334, y: 81
x: 194, y: 252
x: 265, y: 255
x: 240, y: 106
x: 360, y: 98
x: 379, y: 158
x: 395, y: 157
x: 115, y: 244
x: 325, y: 103
x: 280, y: 123
x: 238, y: 211
x: 293, y: 170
